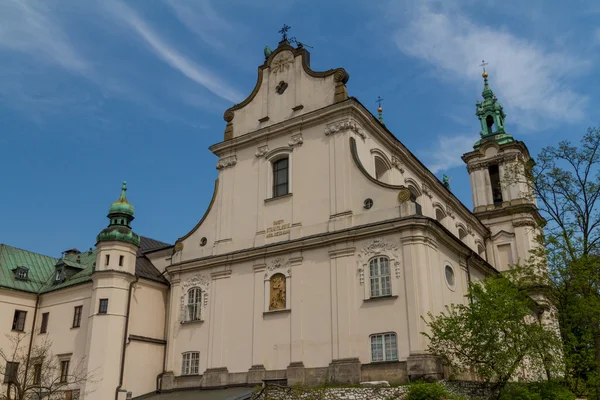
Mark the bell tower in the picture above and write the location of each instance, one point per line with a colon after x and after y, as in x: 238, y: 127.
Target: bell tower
x: 113, y: 279
x: 501, y: 199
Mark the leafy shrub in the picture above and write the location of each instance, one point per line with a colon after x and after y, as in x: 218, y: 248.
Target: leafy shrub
x: 427, y: 391
x: 519, y: 392
x: 553, y: 391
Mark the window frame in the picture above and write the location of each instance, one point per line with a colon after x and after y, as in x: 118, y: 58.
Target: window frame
x: 382, y: 290
x: 37, y: 373
x: 448, y: 266
x: 22, y: 273
x: 384, y: 347
x: 64, y: 370
x: 274, y: 174
x: 16, y: 325
x: 272, y: 157
x: 196, y: 305
x: 103, y: 306
x: 77, y: 312
x: 187, y: 363
x: 44, y: 322
x: 10, y: 375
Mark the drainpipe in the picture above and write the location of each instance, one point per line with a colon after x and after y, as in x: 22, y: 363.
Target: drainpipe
x: 37, y: 303
x: 469, y: 276
x: 122, y: 371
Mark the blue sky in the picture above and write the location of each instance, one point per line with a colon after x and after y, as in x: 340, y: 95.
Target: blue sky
x: 93, y: 93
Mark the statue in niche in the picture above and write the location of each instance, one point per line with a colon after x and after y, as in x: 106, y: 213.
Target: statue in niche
x: 277, y: 298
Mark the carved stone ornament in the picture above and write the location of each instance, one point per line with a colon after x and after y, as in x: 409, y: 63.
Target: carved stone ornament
x: 470, y: 230
x: 282, y: 62
x: 524, y: 222
x: 396, y: 163
x: 296, y: 140
x: 450, y: 211
x: 279, y: 264
x: 378, y: 247
x: 345, y: 125
x: 226, y: 162
x: 262, y: 150
x: 426, y: 190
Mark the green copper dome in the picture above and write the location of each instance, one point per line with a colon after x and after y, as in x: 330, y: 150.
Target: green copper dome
x: 120, y: 215
x: 122, y: 206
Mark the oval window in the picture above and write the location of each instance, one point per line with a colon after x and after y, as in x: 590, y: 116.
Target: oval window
x: 450, y: 280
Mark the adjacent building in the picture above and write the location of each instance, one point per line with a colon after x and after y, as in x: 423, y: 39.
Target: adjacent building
x: 324, y: 243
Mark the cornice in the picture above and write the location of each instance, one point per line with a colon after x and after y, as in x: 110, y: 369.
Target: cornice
x: 382, y: 228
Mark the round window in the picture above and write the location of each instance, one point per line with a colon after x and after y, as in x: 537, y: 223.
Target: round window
x: 450, y: 280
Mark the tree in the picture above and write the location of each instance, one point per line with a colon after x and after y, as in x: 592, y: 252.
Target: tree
x: 495, y: 334
x: 39, y: 373
x: 565, y: 180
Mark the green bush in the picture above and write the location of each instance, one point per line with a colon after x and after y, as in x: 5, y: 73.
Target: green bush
x: 553, y: 391
x: 519, y: 392
x: 427, y: 391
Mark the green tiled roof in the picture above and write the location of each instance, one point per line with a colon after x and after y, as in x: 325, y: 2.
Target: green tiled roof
x: 40, y: 267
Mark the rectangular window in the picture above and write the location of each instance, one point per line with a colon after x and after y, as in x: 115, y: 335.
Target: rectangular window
x: 384, y: 347
x: 190, y: 364
x: 280, y: 177
x: 107, y: 259
x: 121, y: 258
x: 64, y: 371
x: 37, y: 374
x: 10, y: 372
x: 44, y: 326
x: 103, y: 307
x: 379, y: 273
x: 19, y: 321
x: 495, y: 182
x: 72, y: 395
x: 77, y: 316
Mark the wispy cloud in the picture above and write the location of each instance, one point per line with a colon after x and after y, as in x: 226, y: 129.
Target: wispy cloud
x: 29, y: 27
x: 446, y: 152
x: 201, y: 18
x: 527, y: 77
x: 176, y: 60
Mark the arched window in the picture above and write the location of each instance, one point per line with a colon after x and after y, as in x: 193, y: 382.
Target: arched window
x: 277, y: 295
x: 462, y: 234
x: 280, y: 177
x: 439, y: 214
x: 194, y: 304
x: 489, y: 121
x: 381, y: 169
x: 379, y: 274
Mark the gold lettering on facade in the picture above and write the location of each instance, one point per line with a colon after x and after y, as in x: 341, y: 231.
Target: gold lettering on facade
x: 278, y: 228
x: 277, y: 298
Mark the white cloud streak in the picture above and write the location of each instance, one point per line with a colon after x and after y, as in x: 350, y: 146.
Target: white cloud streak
x: 28, y: 27
x: 447, y: 151
x: 202, y: 19
x: 529, y: 79
x: 167, y: 53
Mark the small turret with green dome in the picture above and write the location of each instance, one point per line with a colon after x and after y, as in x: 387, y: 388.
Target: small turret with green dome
x: 491, y: 115
x: 120, y: 215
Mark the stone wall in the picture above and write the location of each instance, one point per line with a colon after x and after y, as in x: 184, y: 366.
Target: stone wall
x: 353, y: 393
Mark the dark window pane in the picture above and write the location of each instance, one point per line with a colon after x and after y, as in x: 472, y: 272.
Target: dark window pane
x: 103, y: 309
x: 44, y: 327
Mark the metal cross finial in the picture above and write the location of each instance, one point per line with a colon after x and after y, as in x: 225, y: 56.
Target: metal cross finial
x: 284, y: 31
x: 483, y: 64
x: 379, y: 100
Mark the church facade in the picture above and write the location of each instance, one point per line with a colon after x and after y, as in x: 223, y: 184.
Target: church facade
x: 325, y: 242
